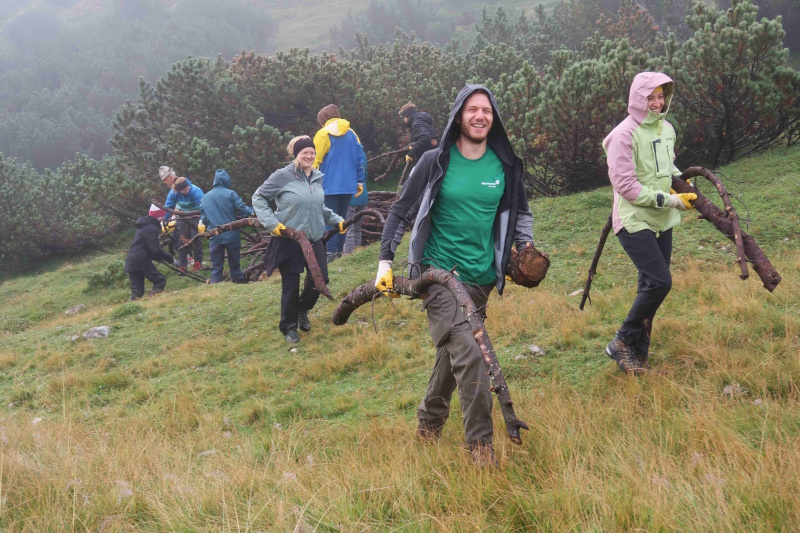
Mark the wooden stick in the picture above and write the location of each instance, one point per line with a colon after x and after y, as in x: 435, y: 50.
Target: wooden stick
x: 415, y: 288
x: 186, y: 214
x: 347, y: 223
x: 387, y: 154
x: 595, y: 260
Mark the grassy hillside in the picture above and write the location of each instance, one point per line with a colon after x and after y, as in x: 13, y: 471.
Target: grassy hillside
x: 194, y: 415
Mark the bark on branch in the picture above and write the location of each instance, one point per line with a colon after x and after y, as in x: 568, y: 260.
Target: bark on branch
x: 414, y: 289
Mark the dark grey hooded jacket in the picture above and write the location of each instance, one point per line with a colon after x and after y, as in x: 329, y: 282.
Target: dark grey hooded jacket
x: 514, y: 220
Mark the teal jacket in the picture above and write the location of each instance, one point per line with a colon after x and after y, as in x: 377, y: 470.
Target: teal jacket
x: 299, y: 202
x: 221, y: 205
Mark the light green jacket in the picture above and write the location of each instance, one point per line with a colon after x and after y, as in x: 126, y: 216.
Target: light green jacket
x: 640, y: 153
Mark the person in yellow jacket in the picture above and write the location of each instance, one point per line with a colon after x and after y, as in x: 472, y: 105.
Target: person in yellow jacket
x: 343, y: 163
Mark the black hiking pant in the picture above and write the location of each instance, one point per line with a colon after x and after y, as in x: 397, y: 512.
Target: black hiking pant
x: 292, y: 300
x: 137, y: 278
x: 651, y: 255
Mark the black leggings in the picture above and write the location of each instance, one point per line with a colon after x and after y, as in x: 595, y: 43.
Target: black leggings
x: 292, y: 300
x: 651, y: 255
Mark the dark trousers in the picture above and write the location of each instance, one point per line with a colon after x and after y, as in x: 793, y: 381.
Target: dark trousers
x: 186, y: 229
x: 459, y: 364
x: 652, y: 256
x: 338, y: 203
x: 217, y: 254
x: 292, y: 300
x: 137, y: 280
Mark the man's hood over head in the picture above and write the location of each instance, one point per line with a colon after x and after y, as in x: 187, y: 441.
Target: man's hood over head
x: 643, y: 85
x: 497, y: 139
x: 222, y: 178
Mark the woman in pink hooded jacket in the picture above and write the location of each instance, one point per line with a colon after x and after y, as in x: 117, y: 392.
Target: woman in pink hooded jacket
x: 640, y: 153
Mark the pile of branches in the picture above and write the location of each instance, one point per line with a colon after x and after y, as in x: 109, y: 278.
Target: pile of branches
x: 372, y: 227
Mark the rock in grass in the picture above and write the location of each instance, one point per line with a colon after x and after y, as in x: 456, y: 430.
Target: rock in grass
x: 100, y: 332
x: 72, y: 311
x: 734, y: 391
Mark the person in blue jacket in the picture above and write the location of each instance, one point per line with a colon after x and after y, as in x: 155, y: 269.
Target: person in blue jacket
x: 220, y: 206
x: 186, y: 197
x: 341, y: 159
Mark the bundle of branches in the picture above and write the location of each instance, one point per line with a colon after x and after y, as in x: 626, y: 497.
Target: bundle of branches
x: 726, y: 221
x: 415, y: 289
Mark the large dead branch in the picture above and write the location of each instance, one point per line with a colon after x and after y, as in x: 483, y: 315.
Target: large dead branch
x: 222, y: 228
x: 728, y: 223
x: 414, y: 289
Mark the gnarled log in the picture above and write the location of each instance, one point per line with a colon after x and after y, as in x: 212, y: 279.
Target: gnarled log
x: 728, y: 223
x: 415, y: 288
x: 347, y: 223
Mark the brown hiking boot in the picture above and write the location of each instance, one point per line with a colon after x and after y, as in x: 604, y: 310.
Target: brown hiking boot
x: 430, y: 430
x: 483, y: 455
x: 624, y: 355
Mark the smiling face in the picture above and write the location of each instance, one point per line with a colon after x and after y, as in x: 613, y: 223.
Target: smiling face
x: 655, y: 102
x: 306, y: 158
x: 476, y: 118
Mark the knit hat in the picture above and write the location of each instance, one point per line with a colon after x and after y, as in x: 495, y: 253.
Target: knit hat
x: 301, y: 144
x: 326, y: 113
x: 407, y: 110
x: 180, y: 184
x: 156, y: 212
x: 165, y: 171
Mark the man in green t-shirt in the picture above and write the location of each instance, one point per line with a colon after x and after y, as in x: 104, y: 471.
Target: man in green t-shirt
x: 470, y: 207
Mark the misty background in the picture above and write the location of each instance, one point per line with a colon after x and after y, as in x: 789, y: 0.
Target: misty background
x: 66, y: 66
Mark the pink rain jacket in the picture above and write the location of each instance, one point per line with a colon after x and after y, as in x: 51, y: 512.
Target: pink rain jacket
x: 641, y: 152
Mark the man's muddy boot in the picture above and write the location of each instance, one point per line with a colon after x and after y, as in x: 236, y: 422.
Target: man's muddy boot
x: 429, y: 430
x: 483, y: 455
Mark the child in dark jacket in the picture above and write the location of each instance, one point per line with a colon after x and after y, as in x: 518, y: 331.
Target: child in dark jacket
x: 139, y: 263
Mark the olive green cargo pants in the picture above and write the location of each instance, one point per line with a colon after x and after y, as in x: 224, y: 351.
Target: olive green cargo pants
x: 458, y: 364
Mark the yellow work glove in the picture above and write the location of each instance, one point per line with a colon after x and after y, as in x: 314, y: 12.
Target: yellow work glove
x: 169, y: 226
x: 278, y: 229
x: 342, y: 229
x: 385, y: 278
x: 201, y: 228
x: 360, y: 190
x: 681, y: 201
x: 409, y: 159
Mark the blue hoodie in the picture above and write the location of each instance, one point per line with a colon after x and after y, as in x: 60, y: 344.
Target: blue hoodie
x: 222, y: 205
x: 185, y: 202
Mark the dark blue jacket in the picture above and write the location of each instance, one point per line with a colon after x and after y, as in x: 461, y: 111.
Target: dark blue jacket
x: 221, y: 205
x: 185, y: 202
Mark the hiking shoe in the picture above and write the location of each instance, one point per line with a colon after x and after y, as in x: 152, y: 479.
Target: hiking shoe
x: 134, y: 297
x: 182, y: 270
x: 197, y: 266
x: 153, y: 292
x: 303, y: 323
x: 430, y: 430
x: 483, y: 455
x: 291, y: 337
x: 624, y: 355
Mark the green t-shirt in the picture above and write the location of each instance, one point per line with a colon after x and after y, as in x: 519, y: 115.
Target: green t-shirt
x: 462, y: 217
